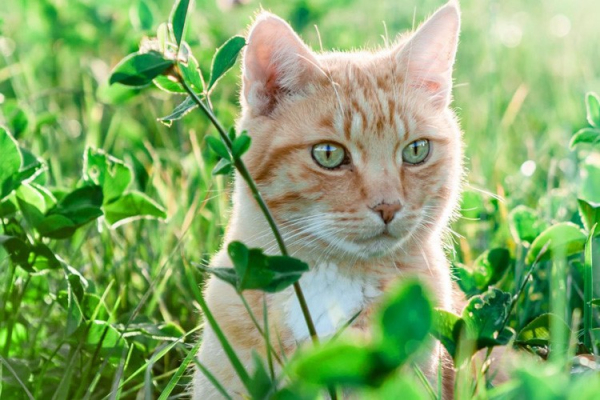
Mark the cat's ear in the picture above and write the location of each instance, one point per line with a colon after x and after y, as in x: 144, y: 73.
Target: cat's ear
x: 428, y: 56
x: 276, y: 63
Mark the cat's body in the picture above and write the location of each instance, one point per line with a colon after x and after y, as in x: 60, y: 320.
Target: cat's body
x: 362, y: 225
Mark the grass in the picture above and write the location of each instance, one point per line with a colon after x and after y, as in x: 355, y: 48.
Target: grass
x: 520, y: 80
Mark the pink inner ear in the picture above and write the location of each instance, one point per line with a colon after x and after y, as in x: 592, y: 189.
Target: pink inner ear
x: 431, y: 86
x: 272, y: 91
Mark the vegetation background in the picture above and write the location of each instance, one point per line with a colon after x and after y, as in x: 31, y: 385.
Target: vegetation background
x: 522, y: 72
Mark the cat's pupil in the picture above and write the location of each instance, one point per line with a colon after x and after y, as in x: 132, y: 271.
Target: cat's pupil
x: 328, y: 151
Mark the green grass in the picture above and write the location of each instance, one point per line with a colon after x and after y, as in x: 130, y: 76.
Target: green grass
x: 516, y: 104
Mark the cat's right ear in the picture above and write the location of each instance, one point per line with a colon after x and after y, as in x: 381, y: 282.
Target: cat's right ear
x: 429, y: 54
x: 276, y: 63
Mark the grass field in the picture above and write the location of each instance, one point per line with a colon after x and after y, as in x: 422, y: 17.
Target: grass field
x: 120, y: 310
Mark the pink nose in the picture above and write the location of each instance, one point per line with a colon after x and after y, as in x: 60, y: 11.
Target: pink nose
x: 387, y: 211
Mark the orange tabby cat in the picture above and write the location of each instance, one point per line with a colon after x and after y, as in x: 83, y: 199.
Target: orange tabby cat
x: 359, y: 158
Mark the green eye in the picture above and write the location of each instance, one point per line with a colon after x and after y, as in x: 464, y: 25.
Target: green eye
x: 328, y: 155
x: 416, y: 152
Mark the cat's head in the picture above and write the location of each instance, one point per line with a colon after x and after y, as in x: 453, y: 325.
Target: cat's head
x: 356, y: 154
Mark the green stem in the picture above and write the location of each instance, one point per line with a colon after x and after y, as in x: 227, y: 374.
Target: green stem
x: 15, y: 315
x: 4, y: 305
x: 233, y: 358
x: 245, y: 174
x: 588, y: 291
x: 260, y: 330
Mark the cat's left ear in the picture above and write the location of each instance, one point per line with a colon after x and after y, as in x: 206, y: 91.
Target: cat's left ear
x: 276, y: 64
x: 429, y: 54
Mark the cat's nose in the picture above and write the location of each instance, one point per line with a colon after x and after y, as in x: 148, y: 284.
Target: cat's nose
x: 387, y: 211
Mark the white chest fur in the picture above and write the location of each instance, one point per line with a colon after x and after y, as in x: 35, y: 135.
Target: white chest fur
x: 333, y: 298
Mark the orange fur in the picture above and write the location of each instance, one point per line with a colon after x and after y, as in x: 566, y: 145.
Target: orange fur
x: 373, y: 104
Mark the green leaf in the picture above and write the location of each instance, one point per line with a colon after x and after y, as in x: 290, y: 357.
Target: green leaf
x: 486, y: 270
x: 141, y: 15
x: 139, y: 69
x: 228, y: 275
x: 116, y: 94
x: 93, y: 304
x: 404, y: 322
x: 595, y: 302
x: 81, y: 198
x: 589, y: 189
x: 472, y: 205
x: 178, y: 19
x: 564, y: 238
x: 132, y: 206
x: 537, y: 332
x: 262, y: 384
x: 76, y: 209
x: 179, y: 112
x: 7, y: 207
x: 225, y: 58
x: 74, y: 314
x: 241, y: 144
x: 32, y: 204
x: 239, y: 254
x: 81, y: 206
x: 287, y: 271
x: 18, y: 250
x: 231, y: 133
x: 592, y: 106
x: 25, y: 175
x: 16, y: 117
x: 525, y: 225
x: 106, y: 339
x: 223, y: 167
x: 162, y: 36
x: 495, y: 262
x: 190, y: 69
x: 11, y: 160
x: 42, y: 258
x: 56, y: 227
x: 401, y: 387
x: 585, y: 135
x: 110, y: 173
x: 337, y: 363
x: 589, y: 214
x: 447, y: 327
x: 485, y: 316
x: 168, y: 84
x: 218, y: 147
x: 49, y: 198
x: 253, y: 270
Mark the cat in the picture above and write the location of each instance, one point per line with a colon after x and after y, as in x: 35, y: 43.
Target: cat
x: 359, y: 157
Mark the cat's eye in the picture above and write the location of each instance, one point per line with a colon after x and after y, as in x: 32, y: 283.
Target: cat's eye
x: 416, y: 152
x: 329, y: 155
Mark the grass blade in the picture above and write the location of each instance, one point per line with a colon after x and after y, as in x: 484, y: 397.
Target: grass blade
x: 180, y: 371
x: 588, y: 291
x: 4, y: 362
x: 212, y: 379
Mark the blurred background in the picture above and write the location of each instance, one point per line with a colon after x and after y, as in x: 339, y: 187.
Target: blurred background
x: 522, y: 72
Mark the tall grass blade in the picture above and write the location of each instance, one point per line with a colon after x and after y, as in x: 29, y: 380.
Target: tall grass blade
x: 588, y: 291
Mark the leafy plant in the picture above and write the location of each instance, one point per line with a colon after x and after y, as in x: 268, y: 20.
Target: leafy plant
x: 97, y: 299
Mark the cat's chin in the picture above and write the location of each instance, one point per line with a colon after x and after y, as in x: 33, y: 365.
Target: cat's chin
x: 375, y: 247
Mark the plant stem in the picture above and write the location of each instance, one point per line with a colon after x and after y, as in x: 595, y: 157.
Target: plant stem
x: 588, y: 291
x: 245, y: 174
x: 270, y: 349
